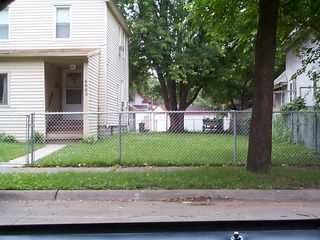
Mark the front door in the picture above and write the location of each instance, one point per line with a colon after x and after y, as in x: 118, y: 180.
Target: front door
x: 72, y: 91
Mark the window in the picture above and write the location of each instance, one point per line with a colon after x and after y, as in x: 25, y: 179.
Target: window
x: 74, y: 88
x: 62, y: 22
x: 4, y: 24
x: 122, y: 43
x: 3, y: 89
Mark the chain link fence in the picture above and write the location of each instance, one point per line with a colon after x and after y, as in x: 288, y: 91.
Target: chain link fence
x: 142, y: 138
x: 14, y: 137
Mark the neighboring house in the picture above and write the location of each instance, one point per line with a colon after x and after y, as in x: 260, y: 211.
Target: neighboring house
x: 149, y: 115
x: 286, y: 88
x: 63, y: 56
x: 152, y: 116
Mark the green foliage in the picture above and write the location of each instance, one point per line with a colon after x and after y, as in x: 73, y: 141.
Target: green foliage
x: 317, y: 97
x: 7, y: 138
x: 297, y: 104
x: 281, y: 131
x: 89, y: 140
x: 198, y: 178
x: 166, y: 46
x: 317, y: 100
x: 39, y: 138
x: 233, y: 25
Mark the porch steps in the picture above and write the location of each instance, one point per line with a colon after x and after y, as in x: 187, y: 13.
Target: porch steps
x: 63, y: 137
x: 64, y: 131
x: 65, y: 126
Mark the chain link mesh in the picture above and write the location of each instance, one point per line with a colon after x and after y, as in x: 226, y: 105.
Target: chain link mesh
x: 156, y: 138
x: 14, y: 132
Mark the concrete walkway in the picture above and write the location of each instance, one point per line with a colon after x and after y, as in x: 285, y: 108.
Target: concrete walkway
x: 21, y: 161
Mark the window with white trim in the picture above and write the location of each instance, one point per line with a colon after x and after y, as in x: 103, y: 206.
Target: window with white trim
x: 124, y: 45
x: 62, y: 22
x: 4, y: 24
x: 3, y: 89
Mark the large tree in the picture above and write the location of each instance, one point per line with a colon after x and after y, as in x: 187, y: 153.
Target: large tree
x: 233, y: 25
x: 260, y: 139
x: 219, y: 16
x: 165, y: 44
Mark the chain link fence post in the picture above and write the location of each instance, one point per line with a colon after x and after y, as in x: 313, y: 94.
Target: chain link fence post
x: 120, y: 140
x: 32, y: 136
x: 234, y: 137
x: 27, y: 138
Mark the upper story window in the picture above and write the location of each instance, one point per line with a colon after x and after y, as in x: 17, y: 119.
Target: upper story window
x: 63, y: 22
x: 4, y: 24
x: 3, y: 89
x: 122, y: 43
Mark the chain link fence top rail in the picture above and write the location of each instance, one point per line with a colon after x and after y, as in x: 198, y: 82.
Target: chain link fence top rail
x: 211, y: 138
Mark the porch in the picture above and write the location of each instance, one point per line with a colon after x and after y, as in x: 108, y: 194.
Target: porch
x: 64, y: 84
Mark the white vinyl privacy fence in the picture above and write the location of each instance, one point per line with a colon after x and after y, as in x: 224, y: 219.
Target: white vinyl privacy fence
x: 156, y: 138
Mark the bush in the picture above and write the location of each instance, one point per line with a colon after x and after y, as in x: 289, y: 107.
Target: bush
x: 39, y: 138
x: 89, y: 140
x: 317, y: 99
x: 296, y: 105
x: 281, y: 131
x: 7, y: 138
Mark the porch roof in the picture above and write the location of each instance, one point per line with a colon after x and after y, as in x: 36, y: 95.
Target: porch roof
x: 70, y: 52
x: 280, y: 81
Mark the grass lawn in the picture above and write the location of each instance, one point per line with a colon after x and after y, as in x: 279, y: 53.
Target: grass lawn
x: 198, y: 178
x: 163, y: 149
x: 9, y: 151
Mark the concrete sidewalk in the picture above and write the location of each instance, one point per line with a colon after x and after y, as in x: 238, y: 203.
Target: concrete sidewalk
x: 52, y: 207
x: 40, y: 153
x: 4, y: 169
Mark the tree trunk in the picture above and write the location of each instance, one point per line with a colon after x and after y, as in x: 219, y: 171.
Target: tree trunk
x: 260, y: 139
x: 176, y: 122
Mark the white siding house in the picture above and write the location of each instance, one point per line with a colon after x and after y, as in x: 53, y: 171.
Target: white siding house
x: 151, y: 116
x: 63, y: 56
x: 286, y: 88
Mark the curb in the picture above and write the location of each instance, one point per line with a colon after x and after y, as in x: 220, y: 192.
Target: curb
x: 163, y: 195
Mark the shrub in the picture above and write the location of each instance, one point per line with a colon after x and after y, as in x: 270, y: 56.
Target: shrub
x: 89, y: 140
x: 7, y: 138
x: 281, y: 131
x: 296, y: 105
x: 39, y: 138
x: 317, y: 99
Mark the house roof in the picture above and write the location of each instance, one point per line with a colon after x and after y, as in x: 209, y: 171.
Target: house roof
x: 145, y: 99
x: 280, y: 81
x: 5, y: 3
x: 194, y: 107
x: 71, y: 52
x: 297, y: 36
